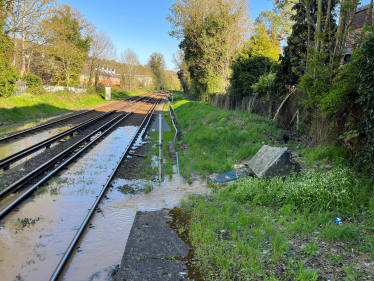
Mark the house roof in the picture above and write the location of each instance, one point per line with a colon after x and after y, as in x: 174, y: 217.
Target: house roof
x: 360, y: 17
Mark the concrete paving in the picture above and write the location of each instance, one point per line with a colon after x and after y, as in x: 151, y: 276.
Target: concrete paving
x: 154, y: 250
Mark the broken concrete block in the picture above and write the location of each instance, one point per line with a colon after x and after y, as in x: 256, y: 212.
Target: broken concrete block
x: 273, y: 162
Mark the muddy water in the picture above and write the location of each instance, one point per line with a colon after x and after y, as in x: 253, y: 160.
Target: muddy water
x: 32, y: 251
x: 8, y: 149
x: 102, y: 246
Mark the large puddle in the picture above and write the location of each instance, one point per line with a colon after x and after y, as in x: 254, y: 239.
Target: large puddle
x: 34, y: 239
x: 11, y: 148
x: 33, y: 250
x: 103, y: 246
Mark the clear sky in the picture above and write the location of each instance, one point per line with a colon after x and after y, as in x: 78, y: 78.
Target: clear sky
x: 141, y: 24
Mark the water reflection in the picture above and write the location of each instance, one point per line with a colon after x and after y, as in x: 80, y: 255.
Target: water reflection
x: 34, y: 250
x: 103, y: 245
x: 7, y: 129
x: 8, y: 149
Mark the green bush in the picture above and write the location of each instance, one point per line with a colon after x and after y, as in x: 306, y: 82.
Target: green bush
x: 32, y: 80
x: 100, y: 87
x: 265, y: 82
x: 8, y: 75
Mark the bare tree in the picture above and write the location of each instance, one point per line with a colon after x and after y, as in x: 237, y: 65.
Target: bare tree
x: 102, y: 48
x: 24, y: 21
x: 131, y: 61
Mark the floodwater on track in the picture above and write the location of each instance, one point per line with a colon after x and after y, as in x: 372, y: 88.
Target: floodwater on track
x: 33, y: 250
x: 11, y: 148
x: 103, y: 246
x: 7, y: 129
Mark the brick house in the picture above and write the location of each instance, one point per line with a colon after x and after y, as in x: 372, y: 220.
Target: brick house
x: 106, y: 76
x: 357, y: 25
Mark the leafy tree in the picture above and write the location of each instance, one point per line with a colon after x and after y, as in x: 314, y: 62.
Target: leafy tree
x: 157, y: 64
x: 365, y: 78
x: 211, y: 32
x: 294, y: 60
x: 68, y: 40
x: 8, y: 75
x: 258, y: 57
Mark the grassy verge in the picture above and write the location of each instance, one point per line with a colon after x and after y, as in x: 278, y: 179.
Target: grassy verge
x: 27, y: 106
x: 258, y: 229
x: 214, y: 139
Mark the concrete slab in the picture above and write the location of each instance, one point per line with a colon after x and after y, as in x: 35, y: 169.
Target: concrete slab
x: 273, y: 162
x: 153, y: 250
x: 156, y: 126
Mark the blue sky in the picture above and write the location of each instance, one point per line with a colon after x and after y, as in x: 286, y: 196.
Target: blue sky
x: 141, y: 24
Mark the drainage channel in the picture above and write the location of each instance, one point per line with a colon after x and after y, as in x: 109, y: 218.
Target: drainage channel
x: 34, y: 239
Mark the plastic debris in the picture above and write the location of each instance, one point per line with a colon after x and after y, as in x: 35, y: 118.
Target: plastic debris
x: 338, y: 221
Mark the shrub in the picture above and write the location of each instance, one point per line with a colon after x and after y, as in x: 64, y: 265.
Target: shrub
x: 32, y: 80
x: 262, y: 87
x: 100, y: 87
x: 8, y: 75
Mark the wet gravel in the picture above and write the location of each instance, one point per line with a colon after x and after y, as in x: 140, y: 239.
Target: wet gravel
x: 131, y: 168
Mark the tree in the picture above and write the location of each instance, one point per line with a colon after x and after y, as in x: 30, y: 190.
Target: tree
x: 25, y: 20
x: 279, y: 19
x: 68, y: 38
x: 157, y: 64
x: 210, y: 32
x: 297, y: 52
x: 259, y: 56
x: 101, y: 48
x: 8, y: 75
x: 131, y: 61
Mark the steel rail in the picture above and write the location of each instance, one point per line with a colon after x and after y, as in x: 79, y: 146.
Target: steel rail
x: 93, y: 208
x: 41, y: 169
x: 27, y: 131
x: 44, y: 126
x: 6, y: 162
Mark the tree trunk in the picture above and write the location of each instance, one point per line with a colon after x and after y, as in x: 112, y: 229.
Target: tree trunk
x: 318, y: 29
x: 23, y: 59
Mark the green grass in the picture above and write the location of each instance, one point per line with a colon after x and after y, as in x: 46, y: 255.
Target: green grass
x: 27, y: 106
x: 326, y: 154
x: 279, y: 229
x: 244, y: 232
x: 214, y: 139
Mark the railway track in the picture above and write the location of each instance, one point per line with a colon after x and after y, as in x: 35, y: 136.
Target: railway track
x: 47, y: 125
x: 14, y: 187
x: 65, y: 159
x: 6, y: 162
